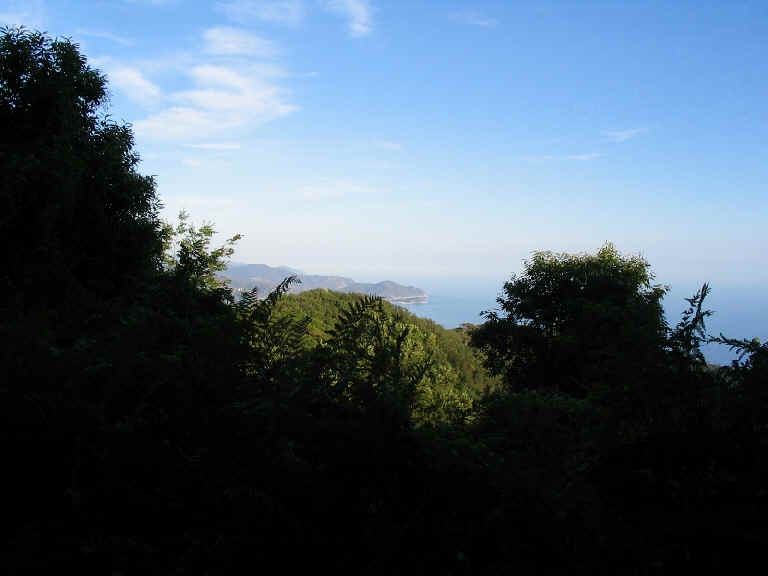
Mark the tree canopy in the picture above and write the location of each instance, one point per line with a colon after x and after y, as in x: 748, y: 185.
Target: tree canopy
x: 570, y: 320
x: 76, y: 214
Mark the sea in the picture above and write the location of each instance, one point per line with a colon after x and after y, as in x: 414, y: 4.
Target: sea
x: 737, y: 311
x: 454, y: 301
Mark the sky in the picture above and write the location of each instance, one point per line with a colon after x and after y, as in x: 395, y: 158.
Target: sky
x: 412, y: 139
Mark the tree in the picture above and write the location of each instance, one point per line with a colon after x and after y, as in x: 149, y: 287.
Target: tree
x: 187, y: 254
x: 69, y: 176
x: 114, y: 372
x: 570, y: 322
x: 746, y: 379
x: 686, y: 339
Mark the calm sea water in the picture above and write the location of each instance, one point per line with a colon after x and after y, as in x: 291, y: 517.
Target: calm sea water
x: 454, y: 301
x: 451, y: 311
x: 738, y: 312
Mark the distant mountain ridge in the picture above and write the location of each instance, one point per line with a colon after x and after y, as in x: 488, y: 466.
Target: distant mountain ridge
x: 245, y: 277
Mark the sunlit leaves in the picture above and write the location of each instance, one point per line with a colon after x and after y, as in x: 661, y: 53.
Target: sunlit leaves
x: 187, y: 253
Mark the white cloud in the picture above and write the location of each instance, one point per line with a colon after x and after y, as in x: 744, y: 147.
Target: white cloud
x: 624, y: 135
x: 215, y: 101
x: 287, y: 12
x: 474, y: 19
x: 582, y: 157
x: 357, y: 12
x: 215, y: 146
x: 135, y: 85
x: 178, y: 123
x: 122, y: 40
x: 224, y: 100
x: 233, y: 42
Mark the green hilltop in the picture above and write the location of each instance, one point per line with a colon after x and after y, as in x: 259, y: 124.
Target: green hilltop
x: 449, y: 348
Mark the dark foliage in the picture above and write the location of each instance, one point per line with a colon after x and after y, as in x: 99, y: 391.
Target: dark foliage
x: 574, y: 322
x: 78, y: 221
x: 150, y: 425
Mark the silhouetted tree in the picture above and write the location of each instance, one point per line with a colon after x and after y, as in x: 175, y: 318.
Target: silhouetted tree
x: 76, y: 214
x: 574, y: 321
x: 116, y: 370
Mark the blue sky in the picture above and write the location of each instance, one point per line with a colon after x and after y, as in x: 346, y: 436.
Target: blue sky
x: 407, y: 139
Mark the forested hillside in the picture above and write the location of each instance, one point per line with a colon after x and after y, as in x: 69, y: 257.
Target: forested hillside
x: 447, y: 348
x: 153, y: 425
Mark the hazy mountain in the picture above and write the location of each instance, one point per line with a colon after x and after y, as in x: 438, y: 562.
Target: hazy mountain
x: 247, y: 276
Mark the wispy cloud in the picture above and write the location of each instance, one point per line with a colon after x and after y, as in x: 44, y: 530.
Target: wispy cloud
x: 215, y: 146
x: 292, y: 12
x: 29, y: 14
x: 582, y: 157
x: 334, y: 189
x: 287, y: 12
x: 216, y: 100
x: 624, y: 135
x: 570, y: 157
x: 223, y: 100
x: 122, y: 40
x: 357, y: 13
x: 387, y: 145
x: 474, y: 19
x: 234, y: 42
x: 133, y: 83
x: 207, y: 160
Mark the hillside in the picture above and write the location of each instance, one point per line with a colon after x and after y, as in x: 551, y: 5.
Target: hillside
x: 245, y: 277
x: 451, y: 347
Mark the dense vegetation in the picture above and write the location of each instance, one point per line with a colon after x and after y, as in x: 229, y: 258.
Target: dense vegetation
x: 153, y: 425
x: 449, y: 348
